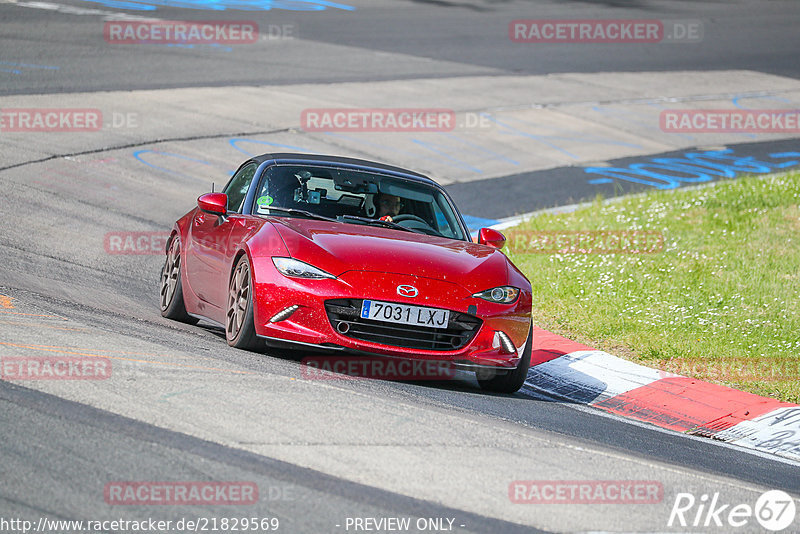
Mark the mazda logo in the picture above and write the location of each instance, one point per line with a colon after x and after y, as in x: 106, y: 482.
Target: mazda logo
x: 407, y: 291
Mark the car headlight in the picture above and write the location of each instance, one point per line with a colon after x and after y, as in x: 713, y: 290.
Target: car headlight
x: 298, y: 269
x: 501, y: 295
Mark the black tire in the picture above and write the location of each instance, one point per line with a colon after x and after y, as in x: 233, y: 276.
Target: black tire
x: 239, y: 323
x: 171, y: 287
x: 511, y: 382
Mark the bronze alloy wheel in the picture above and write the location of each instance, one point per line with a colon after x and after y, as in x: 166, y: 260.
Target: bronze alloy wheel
x: 239, y: 323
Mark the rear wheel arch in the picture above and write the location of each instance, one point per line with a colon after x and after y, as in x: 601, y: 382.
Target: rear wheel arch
x: 171, y: 286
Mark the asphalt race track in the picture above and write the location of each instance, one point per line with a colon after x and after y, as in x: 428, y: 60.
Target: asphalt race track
x: 180, y: 405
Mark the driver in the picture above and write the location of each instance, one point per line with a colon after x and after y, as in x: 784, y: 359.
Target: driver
x: 388, y: 206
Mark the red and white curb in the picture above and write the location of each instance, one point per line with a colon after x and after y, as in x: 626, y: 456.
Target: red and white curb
x: 580, y: 374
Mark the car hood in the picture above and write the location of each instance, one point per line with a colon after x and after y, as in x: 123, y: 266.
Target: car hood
x: 341, y: 247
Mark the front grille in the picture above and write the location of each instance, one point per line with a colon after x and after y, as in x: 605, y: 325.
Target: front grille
x: 461, y: 328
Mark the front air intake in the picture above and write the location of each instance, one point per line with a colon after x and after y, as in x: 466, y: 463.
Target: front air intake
x: 460, y: 329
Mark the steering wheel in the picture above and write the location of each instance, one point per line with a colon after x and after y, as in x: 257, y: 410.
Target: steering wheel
x: 421, y: 224
x: 409, y: 217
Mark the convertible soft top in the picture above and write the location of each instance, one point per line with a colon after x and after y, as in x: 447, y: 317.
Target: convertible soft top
x: 290, y: 158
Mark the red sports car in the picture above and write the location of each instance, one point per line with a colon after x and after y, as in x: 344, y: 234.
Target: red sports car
x: 334, y: 253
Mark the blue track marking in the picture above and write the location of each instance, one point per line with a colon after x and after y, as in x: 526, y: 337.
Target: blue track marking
x: 692, y: 167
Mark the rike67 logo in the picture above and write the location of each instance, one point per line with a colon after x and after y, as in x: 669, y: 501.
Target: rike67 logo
x: 774, y: 510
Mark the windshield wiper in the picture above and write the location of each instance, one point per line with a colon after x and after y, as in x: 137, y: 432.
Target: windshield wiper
x: 305, y: 213
x: 378, y: 222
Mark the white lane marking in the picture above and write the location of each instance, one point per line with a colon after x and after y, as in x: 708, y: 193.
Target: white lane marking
x: 532, y: 391
x: 600, y: 376
x: 777, y: 432
x: 592, y: 374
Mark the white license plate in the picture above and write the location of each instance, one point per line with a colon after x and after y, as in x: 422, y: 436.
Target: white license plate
x: 390, y: 312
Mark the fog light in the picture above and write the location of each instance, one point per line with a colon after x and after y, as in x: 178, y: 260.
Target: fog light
x: 285, y: 314
x: 504, y: 341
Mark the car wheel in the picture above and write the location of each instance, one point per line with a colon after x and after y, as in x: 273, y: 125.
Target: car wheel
x: 239, y: 323
x: 172, y: 305
x: 513, y: 380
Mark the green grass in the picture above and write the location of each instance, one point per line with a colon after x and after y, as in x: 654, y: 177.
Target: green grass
x: 719, y: 302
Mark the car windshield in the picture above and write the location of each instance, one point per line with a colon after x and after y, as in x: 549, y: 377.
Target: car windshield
x: 356, y: 197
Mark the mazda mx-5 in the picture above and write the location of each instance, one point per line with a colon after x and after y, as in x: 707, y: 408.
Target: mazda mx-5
x: 339, y: 254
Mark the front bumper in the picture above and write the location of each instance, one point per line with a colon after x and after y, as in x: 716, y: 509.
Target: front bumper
x: 313, y: 326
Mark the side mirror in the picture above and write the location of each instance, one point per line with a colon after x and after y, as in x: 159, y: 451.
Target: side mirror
x: 491, y: 237
x: 213, y: 203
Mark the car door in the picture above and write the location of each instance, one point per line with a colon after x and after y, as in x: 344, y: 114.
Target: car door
x: 209, y: 243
